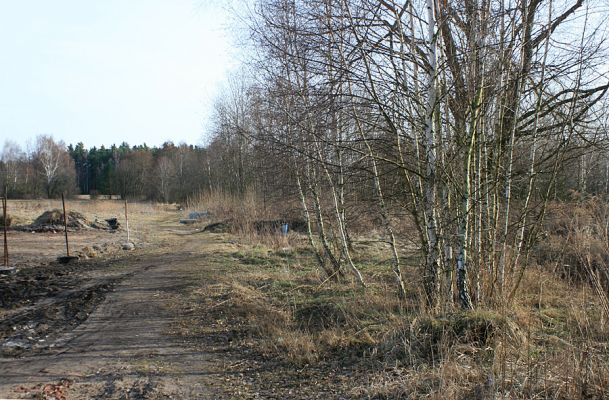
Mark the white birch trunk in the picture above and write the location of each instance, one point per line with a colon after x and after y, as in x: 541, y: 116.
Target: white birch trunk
x: 430, y: 186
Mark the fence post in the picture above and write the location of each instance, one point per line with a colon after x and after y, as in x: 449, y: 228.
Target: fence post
x: 65, y: 224
x: 5, y: 223
x: 127, y: 222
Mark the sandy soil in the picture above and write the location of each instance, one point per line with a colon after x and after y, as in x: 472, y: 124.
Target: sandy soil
x: 103, y: 330
x: 38, y: 248
x: 122, y: 350
x: 140, y: 324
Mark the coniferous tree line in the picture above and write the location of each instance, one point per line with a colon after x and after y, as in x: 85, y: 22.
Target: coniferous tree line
x: 168, y: 173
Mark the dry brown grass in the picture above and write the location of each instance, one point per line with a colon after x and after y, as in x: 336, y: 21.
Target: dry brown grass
x: 224, y: 206
x: 30, y: 249
x: 551, y: 342
x: 27, y: 210
x: 241, y: 213
x: 577, y: 243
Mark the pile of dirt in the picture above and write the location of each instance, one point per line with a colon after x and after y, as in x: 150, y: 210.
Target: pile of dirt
x: 52, y: 221
x: 26, y: 285
x: 33, y: 327
x: 57, y: 391
x: 219, y: 227
x: 263, y: 226
x: 38, y: 303
x: 55, y: 217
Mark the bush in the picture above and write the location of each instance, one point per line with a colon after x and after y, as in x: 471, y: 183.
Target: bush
x: 429, y: 338
x: 577, y: 244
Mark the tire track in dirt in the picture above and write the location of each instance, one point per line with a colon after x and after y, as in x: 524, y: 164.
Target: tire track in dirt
x: 123, y: 350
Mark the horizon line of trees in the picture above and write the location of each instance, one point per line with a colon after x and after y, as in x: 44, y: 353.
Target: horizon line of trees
x: 167, y: 173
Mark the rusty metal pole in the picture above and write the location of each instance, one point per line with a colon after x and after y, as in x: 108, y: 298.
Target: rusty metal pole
x: 5, y: 223
x: 127, y: 222
x: 65, y: 224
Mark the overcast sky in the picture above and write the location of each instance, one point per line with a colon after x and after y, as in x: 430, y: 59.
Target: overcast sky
x: 103, y: 72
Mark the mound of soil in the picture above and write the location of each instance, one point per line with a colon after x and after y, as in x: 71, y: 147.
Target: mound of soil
x: 55, y: 217
x: 262, y: 226
x: 52, y: 221
x: 41, y: 302
x: 31, y: 328
x: 219, y: 227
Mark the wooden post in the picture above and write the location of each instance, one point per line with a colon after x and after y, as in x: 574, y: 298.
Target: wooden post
x: 65, y: 224
x: 127, y: 222
x: 4, y: 223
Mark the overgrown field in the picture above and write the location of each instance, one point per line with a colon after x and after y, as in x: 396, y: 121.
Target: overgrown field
x: 258, y: 303
x: 278, y: 308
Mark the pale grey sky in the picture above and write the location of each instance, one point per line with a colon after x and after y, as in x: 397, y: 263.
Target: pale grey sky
x: 103, y: 72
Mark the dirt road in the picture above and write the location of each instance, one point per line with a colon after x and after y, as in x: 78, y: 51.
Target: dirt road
x: 158, y: 322
x: 124, y: 349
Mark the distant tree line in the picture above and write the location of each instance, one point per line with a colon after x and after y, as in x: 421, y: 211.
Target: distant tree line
x: 167, y: 173
x: 44, y: 170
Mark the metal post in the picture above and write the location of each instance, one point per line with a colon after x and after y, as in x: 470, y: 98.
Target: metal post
x: 5, y: 223
x: 127, y: 222
x: 65, y: 224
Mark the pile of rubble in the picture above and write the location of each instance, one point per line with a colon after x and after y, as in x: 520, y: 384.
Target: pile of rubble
x: 52, y: 221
